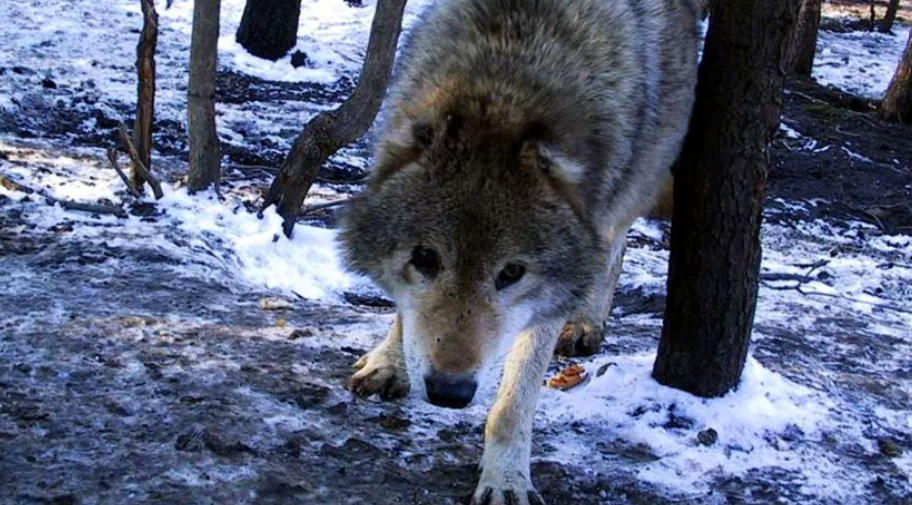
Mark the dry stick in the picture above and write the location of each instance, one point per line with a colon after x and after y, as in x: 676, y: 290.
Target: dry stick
x: 328, y: 131
x: 138, y: 164
x: 112, y: 157
x: 320, y: 206
x: 66, y: 204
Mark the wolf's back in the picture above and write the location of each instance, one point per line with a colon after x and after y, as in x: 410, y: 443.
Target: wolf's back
x: 609, y: 83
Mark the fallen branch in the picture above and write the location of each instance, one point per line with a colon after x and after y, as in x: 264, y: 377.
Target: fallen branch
x: 66, y: 204
x: 112, y: 157
x: 14, y: 186
x: 138, y: 164
x: 87, y: 207
x: 321, y: 206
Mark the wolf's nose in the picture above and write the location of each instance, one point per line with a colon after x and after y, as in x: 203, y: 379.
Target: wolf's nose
x: 451, y: 391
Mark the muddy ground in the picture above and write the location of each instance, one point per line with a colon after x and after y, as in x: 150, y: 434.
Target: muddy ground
x: 125, y: 380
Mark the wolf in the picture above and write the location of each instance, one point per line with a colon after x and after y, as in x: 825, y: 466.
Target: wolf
x: 521, y: 140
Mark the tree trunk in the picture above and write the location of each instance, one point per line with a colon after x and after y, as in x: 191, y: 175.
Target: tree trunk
x: 804, y: 40
x: 890, y: 17
x: 145, y: 92
x: 329, y: 131
x: 205, y: 153
x: 269, y: 28
x: 873, y: 20
x: 897, y: 102
x: 719, y: 182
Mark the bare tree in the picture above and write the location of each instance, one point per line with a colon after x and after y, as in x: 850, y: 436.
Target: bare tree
x: 804, y: 41
x: 145, y: 93
x: 889, y: 17
x: 269, y: 28
x: 329, y: 131
x: 205, y: 154
x: 719, y: 181
x: 897, y: 102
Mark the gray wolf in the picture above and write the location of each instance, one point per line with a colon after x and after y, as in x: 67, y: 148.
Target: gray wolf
x: 522, y: 139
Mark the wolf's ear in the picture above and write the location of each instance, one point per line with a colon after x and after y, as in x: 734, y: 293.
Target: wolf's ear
x: 550, y: 162
x: 402, y: 147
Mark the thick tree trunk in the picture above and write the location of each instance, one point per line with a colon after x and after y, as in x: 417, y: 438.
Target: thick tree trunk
x: 804, y: 40
x: 890, y: 17
x: 145, y: 91
x: 269, y: 28
x: 897, y: 102
x: 719, y: 183
x: 329, y: 131
x: 205, y: 154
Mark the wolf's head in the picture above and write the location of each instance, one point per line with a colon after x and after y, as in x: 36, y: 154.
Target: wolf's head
x: 477, y: 235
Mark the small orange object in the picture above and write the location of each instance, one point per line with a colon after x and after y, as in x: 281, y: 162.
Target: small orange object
x: 568, y: 378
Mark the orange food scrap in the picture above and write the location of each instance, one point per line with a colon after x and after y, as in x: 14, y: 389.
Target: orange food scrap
x: 568, y: 378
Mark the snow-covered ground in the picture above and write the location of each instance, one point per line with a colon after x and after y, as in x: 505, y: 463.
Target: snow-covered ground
x: 829, y: 376
x: 861, y: 63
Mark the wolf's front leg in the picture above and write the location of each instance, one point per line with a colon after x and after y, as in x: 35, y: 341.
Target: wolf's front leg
x: 508, y: 433
x: 382, y: 370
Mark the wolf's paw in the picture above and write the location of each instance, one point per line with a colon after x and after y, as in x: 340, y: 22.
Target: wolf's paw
x: 580, y: 338
x: 380, y: 372
x: 506, y: 493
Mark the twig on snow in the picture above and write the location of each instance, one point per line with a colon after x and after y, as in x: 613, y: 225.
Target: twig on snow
x: 137, y: 162
x: 112, y: 157
x: 320, y: 206
x: 114, y: 210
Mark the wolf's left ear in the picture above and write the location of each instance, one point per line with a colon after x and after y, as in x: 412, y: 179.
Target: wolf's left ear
x: 550, y: 162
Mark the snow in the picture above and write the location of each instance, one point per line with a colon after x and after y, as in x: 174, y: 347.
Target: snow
x: 860, y: 62
x: 765, y: 406
x: 307, y: 265
x: 778, y: 416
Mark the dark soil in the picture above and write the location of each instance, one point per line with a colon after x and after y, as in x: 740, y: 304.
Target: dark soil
x: 124, y: 379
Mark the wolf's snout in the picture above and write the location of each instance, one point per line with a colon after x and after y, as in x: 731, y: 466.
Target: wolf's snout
x: 453, y: 391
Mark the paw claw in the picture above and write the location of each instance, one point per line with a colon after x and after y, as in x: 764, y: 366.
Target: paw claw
x: 379, y: 373
x: 513, y: 495
x: 485, y: 498
x: 580, y: 338
x: 535, y: 498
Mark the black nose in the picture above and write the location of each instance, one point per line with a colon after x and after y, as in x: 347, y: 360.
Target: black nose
x: 451, y: 391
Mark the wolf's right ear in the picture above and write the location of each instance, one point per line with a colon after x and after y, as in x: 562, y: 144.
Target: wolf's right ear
x: 402, y: 147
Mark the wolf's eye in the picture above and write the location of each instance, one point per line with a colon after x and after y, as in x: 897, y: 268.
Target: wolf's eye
x: 426, y: 261
x: 510, y: 275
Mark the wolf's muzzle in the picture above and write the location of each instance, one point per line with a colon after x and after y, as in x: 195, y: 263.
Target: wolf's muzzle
x: 451, y: 391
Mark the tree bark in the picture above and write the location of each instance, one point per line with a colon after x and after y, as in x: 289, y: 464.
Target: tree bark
x: 269, y: 28
x: 329, y: 131
x: 719, y: 183
x: 145, y: 91
x: 205, y: 153
x: 897, y: 102
x: 889, y: 17
x: 804, y: 40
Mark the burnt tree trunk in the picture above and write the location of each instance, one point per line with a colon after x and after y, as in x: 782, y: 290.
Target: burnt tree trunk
x: 804, y: 40
x: 889, y: 17
x: 329, y: 131
x: 269, y: 28
x: 205, y: 154
x: 897, y: 102
x: 719, y: 182
x: 145, y: 92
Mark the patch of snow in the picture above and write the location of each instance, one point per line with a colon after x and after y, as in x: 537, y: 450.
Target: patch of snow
x: 856, y: 156
x: 859, y: 62
x: 751, y: 423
